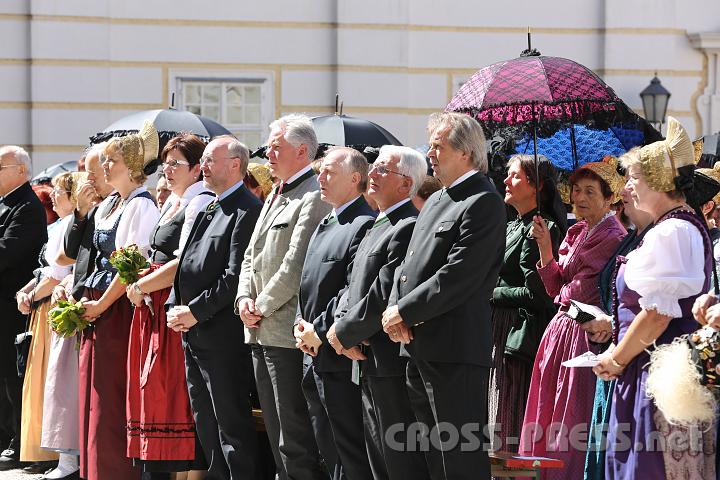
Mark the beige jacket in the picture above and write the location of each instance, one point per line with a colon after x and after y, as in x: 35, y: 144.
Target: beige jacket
x: 274, y: 260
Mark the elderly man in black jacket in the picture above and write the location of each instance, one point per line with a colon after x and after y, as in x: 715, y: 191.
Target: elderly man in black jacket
x: 394, y: 179
x: 217, y: 360
x: 328, y: 263
x: 23, y: 231
x: 440, y: 304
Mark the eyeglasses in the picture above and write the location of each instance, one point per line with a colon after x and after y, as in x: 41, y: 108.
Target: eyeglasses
x: 207, y: 160
x: 10, y: 166
x: 59, y: 191
x: 174, y: 163
x: 382, y: 170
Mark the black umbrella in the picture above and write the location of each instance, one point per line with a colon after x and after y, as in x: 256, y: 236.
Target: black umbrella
x: 340, y: 130
x: 350, y: 131
x: 168, y: 123
x: 54, y: 170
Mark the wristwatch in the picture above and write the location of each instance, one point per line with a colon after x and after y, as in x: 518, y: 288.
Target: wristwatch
x: 137, y: 289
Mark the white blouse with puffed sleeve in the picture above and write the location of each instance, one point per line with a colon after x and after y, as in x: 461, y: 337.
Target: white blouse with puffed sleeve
x: 56, y: 236
x: 667, y: 267
x: 139, y: 217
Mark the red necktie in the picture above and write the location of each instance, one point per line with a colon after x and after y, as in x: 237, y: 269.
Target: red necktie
x: 277, y: 192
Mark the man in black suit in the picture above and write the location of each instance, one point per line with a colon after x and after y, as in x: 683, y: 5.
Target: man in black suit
x: 23, y: 231
x: 439, y: 307
x: 328, y: 263
x: 394, y: 179
x: 217, y: 359
x: 78, y: 246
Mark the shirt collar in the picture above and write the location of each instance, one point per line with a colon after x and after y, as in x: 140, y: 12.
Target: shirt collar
x: 391, y: 209
x: 298, y: 174
x: 136, y: 192
x: 192, y: 191
x: 462, y: 178
x: 343, y: 207
x: 229, y: 191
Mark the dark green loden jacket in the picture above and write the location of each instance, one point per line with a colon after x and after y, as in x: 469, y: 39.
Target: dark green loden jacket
x: 520, y: 287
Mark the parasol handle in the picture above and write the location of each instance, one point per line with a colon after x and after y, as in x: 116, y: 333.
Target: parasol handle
x: 537, y: 165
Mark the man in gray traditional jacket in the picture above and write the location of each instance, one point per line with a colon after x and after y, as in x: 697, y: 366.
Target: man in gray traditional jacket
x: 268, y: 294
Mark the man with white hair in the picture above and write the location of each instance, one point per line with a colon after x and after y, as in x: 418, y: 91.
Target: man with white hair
x: 268, y: 294
x: 439, y: 307
x: 23, y: 231
x: 394, y: 179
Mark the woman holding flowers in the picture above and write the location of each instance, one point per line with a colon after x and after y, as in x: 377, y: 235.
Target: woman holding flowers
x: 34, y: 299
x: 160, y: 427
x: 104, y: 345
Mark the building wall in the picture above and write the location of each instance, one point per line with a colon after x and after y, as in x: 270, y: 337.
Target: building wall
x: 69, y: 68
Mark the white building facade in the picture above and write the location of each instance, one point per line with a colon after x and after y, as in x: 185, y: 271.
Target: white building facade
x: 69, y: 68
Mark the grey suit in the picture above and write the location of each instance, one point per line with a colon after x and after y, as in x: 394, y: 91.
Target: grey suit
x: 271, y: 275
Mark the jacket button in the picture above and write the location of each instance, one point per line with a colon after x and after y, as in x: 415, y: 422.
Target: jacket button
x: 411, y: 253
x: 403, y: 278
x: 440, y: 229
x: 254, y: 271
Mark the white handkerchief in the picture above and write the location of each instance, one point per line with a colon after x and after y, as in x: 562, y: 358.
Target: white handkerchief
x: 587, y: 359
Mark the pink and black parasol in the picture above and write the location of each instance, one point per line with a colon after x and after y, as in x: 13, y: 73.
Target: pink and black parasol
x: 550, y: 93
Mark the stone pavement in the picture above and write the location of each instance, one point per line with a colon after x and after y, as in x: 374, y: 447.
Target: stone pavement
x: 17, y: 474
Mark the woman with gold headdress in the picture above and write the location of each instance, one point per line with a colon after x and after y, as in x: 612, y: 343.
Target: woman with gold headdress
x: 655, y: 288
x: 60, y: 413
x: 160, y: 427
x: 560, y: 398
x: 259, y: 180
x: 34, y: 299
x: 104, y: 345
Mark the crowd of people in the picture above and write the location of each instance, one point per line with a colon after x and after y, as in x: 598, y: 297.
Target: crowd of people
x: 380, y: 322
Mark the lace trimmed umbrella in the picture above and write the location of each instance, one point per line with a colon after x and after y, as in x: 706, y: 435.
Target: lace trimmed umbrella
x: 537, y: 96
x: 535, y: 93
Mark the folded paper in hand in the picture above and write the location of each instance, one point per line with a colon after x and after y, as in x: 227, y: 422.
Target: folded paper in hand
x: 587, y: 359
x: 582, y: 312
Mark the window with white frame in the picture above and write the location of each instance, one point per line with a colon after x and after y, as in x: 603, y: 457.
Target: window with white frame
x: 240, y: 105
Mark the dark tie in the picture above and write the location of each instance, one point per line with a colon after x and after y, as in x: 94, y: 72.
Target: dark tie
x: 277, y: 192
x: 380, y: 220
x: 212, y: 205
x: 330, y: 219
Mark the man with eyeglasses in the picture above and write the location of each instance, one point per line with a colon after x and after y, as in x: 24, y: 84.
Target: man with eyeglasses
x: 394, y: 179
x: 267, y: 295
x: 23, y: 231
x: 217, y: 359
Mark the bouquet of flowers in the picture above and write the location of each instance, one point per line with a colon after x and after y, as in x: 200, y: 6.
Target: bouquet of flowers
x: 66, y: 318
x: 128, y: 261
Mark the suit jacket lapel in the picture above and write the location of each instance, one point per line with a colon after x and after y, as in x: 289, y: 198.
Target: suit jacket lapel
x: 272, y: 212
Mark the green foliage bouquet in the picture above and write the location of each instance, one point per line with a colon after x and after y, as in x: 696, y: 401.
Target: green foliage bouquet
x: 128, y: 261
x: 66, y: 318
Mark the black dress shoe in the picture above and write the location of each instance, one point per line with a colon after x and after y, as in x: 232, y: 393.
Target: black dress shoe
x: 39, y: 467
x: 71, y: 476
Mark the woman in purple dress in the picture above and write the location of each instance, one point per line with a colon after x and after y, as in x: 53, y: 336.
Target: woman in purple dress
x: 560, y: 398
x: 655, y: 288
